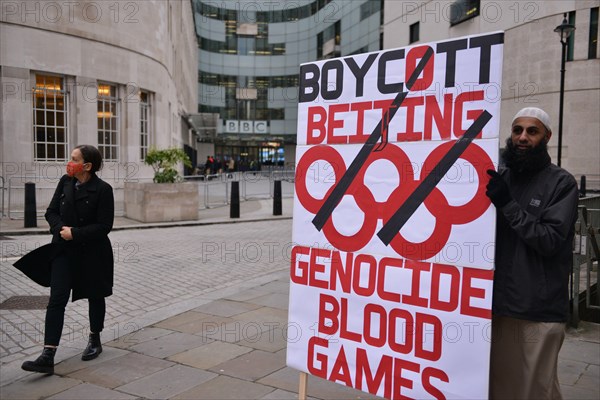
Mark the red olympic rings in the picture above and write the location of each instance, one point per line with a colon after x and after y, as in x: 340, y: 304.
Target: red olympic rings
x: 436, y: 203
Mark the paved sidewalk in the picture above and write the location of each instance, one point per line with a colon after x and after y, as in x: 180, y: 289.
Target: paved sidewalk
x: 218, y: 336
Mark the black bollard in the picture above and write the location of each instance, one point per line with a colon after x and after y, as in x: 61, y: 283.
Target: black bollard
x: 30, y: 207
x: 277, y: 198
x: 582, y: 189
x: 234, y: 210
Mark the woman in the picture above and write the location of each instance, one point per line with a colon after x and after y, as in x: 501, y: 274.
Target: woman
x: 80, y: 215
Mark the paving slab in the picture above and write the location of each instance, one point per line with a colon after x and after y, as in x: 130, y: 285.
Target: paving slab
x: 271, y: 340
x: 279, y: 394
x: 278, y: 286
x: 205, y: 357
x: 265, y: 315
x: 194, y: 322
x: 241, y: 286
x: 273, y: 300
x: 225, y: 387
x: 168, y: 345
x: 168, y: 382
x: 576, y: 393
x: 589, y: 382
x: 570, y: 371
x: 288, y: 379
x: 89, y: 391
x: 11, y: 371
x: 37, y: 386
x: 185, y: 318
x: 236, y: 331
x: 138, y: 337
x: 252, y: 366
x: 226, y: 308
x: 121, y: 370
x: 585, y: 331
x: 578, y: 350
x: 208, y: 327
x: 247, y: 295
x: 593, y: 370
x: 76, y: 363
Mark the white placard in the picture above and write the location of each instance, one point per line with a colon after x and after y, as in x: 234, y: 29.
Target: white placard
x: 392, y: 264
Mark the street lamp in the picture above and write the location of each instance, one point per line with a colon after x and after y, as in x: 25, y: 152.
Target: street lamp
x: 564, y: 30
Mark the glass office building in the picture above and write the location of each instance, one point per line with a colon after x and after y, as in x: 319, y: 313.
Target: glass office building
x: 249, y: 58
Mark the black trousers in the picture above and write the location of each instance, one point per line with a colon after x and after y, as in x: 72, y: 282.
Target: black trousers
x: 61, y: 283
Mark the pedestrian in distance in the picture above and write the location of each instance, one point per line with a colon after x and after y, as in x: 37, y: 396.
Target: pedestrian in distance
x: 80, y: 257
x: 209, y: 165
x: 536, y: 203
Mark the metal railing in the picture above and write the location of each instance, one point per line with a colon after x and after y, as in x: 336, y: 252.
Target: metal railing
x: 214, y: 190
x: 586, y: 255
x: 2, y: 190
x: 254, y: 185
x: 44, y: 190
x: 259, y: 184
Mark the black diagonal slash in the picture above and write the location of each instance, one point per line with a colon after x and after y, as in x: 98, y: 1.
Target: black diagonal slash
x: 407, y: 209
x: 339, y: 190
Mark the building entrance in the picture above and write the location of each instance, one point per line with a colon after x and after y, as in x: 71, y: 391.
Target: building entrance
x: 254, y: 157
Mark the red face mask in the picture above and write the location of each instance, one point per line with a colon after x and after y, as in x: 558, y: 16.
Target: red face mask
x: 74, y: 168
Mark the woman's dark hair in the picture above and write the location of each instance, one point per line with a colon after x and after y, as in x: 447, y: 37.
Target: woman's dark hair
x: 92, y: 155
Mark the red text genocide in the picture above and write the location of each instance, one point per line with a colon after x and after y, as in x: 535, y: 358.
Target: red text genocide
x: 401, y: 328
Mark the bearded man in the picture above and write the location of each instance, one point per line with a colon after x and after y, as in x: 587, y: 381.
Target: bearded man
x: 536, y: 203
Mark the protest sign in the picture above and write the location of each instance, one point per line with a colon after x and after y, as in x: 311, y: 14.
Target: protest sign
x: 391, y: 269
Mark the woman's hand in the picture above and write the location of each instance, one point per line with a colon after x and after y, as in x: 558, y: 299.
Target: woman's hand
x: 65, y: 233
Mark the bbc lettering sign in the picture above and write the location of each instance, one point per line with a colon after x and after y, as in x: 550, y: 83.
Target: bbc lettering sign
x: 246, y: 127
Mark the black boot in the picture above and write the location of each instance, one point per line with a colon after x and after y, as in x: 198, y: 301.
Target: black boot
x: 44, y: 363
x: 93, y: 349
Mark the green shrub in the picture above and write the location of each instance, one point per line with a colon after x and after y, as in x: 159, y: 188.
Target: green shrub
x: 164, y: 162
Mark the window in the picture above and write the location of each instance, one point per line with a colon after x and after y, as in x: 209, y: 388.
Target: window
x: 369, y: 8
x: 244, y: 45
x: 414, y: 32
x: 328, y: 42
x: 593, y: 40
x: 248, y: 81
x: 144, y: 123
x: 571, y: 39
x: 49, y: 119
x: 289, y: 13
x: 462, y: 10
x: 108, y: 122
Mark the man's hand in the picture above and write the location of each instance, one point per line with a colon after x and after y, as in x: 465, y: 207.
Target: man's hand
x: 497, y: 189
x: 65, y: 233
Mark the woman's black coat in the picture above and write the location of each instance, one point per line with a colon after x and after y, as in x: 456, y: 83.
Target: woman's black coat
x: 89, y: 212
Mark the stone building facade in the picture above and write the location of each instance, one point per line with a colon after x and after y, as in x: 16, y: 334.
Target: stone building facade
x: 532, y: 62
x: 119, y: 75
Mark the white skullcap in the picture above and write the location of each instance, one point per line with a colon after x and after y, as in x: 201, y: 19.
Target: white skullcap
x: 536, y: 113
